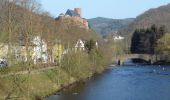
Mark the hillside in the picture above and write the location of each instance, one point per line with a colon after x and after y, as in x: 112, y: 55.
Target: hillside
x: 159, y: 16
x: 105, y: 26
x: 71, y: 30
x: 149, y: 28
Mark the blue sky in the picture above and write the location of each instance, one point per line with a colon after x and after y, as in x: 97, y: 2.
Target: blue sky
x: 116, y: 9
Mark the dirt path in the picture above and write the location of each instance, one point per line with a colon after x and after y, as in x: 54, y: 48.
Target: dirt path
x: 26, y: 72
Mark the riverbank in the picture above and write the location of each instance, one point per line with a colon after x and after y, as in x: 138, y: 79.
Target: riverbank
x: 34, y: 85
x: 62, y: 87
x: 37, y: 85
x: 75, y: 82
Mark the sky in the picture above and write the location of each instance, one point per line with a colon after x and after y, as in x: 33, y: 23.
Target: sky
x: 116, y: 9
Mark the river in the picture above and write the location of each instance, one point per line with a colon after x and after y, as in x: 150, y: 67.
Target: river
x: 128, y: 82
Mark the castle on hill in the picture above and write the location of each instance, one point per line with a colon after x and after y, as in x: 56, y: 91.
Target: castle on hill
x: 75, y: 15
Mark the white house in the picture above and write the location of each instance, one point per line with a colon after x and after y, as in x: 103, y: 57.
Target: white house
x: 39, y: 50
x: 80, y: 45
x: 97, y: 45
x: 116, y: 38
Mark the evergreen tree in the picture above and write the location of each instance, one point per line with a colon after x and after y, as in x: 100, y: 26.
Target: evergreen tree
x: 90, y: 45
x: 145, y: 40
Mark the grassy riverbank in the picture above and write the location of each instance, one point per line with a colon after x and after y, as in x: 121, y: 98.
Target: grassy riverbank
x: 39, y: 83
x: 31, y: 86
x: 36, y: 85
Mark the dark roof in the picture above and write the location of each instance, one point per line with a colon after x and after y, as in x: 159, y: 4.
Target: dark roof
x: 72, y: 13
x: 61, y: 14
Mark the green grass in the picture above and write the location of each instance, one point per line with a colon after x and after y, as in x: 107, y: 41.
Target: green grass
x: 38, y: 84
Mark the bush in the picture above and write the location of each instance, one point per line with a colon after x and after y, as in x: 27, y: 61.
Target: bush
x: 77, y: 64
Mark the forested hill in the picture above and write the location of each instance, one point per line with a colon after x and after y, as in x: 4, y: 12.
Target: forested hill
x: 159, y: 16
x: 146, y: 40
x: 148, y: 28
x: 105, y: 26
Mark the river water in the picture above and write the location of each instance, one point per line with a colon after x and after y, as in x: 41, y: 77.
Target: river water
x: 128, y: 82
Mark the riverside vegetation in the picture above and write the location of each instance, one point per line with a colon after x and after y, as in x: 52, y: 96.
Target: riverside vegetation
x: 20, y: 22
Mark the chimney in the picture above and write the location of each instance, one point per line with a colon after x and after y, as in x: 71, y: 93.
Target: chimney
x: 78, y: 11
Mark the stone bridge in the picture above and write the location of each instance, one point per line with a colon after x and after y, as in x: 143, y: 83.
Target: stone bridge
x: 150, y: 58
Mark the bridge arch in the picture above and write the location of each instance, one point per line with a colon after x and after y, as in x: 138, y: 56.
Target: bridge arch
x: 146, y: 57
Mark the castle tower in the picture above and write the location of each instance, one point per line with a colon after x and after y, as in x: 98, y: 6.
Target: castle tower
x: 78, y: 11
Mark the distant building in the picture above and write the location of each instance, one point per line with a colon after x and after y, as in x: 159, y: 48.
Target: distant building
x: 75, y: 15
x: 39, y: 50
x: 3, y: 50
x: 80, y: 45
x: 57, y: 52
x: 97, y: 45
x: 116, y: 38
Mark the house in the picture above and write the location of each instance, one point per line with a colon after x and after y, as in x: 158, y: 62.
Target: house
x: 39, y: 50
x: 97, y: 45
x: 3, y: 50
x: 80, y: 45
x: 21, y: 53
x: 16, y: 52
x: 57, y: 53
x: 117, y: 38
